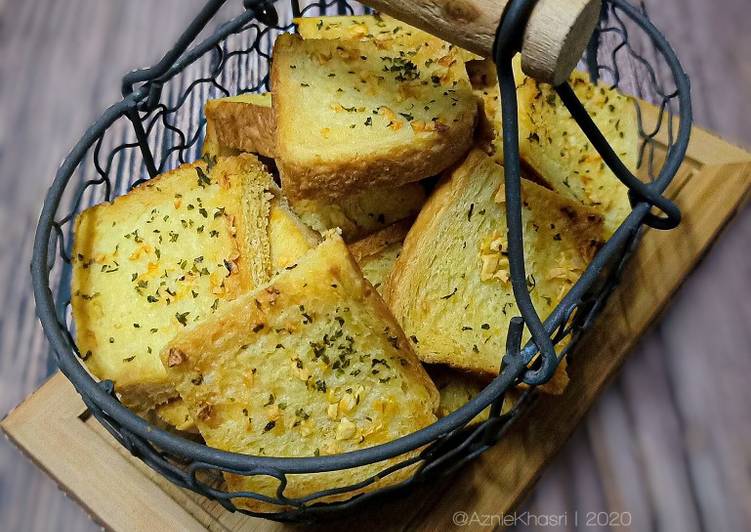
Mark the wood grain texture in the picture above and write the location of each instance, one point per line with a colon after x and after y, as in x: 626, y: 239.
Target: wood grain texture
x: 669, y: 440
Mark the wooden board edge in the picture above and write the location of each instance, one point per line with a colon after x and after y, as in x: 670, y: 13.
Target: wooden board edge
x: 32, y: 434
x: 705, y: 148
x: 30, y: 455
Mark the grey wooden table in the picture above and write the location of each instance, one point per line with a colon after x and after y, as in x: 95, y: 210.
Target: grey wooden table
x: 670, y: 441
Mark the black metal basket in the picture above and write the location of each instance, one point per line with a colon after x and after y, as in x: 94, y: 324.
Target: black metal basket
x: 159, y: 124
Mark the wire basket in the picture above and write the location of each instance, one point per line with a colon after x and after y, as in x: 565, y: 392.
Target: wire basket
x: 159, y: 124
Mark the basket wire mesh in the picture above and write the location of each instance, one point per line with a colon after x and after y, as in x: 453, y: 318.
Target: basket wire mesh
x: 159, y: 124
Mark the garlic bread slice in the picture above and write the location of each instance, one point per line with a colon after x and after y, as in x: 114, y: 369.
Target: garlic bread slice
x: 450, y: 288
x: 309, y: 364
x: 353, y: 115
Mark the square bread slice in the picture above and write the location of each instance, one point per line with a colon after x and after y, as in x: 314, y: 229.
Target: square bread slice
x: 312, y: 363
x: 450, y: 288
x: 243, y: 123
x: 377, y: 27
x: 289, y: 238
x: 553, y: 147
x: 376, y: 255
x: 353, y: 115
x: 169, y: 253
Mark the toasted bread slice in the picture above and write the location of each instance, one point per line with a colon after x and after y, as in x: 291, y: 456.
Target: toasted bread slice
x: 378, y: 27
x: 377, y: 254
x: 383, y: 116
x: 289, y: 238
x: 168, y: 253
x: 553, y: 147
x: 245, y: 123
x: 311, y: 363
x: 362, y: 214
x: 450, y: 288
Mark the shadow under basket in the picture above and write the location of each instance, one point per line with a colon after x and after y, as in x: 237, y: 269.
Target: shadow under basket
x: 159, y: 124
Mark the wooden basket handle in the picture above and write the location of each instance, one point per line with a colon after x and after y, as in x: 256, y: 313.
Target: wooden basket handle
x: 554, y: 39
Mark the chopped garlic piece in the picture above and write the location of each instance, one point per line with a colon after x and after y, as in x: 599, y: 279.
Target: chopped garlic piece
x: 489, y: 266
x: 347, y: 403
x: 346, y: 429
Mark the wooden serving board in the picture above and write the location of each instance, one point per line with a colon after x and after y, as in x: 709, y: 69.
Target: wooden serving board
x: 53, y: 428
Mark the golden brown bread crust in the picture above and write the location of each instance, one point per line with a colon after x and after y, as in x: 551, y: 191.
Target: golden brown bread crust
x: 311, y: 363
x: 377, y: 242
x: 244, y: 123
x: 450, y: 288
x: 336, y: 168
